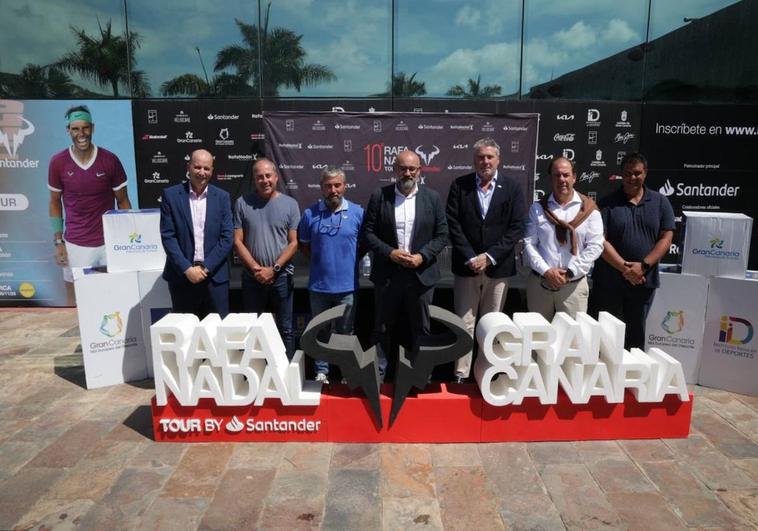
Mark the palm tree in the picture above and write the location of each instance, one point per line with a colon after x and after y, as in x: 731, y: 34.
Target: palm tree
x: 106, y: 60
x: 475, y: 90
x: 36, y: 81
x: 404, y: 86
x: 221, y: 84
x: 283, y: 65
x: 186, y: 85
x: 282, y: 57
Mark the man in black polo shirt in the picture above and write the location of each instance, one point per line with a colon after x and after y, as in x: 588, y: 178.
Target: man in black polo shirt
x: 639, y: 226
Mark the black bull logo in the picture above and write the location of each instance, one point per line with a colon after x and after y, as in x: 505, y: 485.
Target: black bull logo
x: 360, y: 367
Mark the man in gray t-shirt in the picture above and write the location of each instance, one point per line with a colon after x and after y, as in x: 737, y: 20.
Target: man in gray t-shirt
x: 265, y: 239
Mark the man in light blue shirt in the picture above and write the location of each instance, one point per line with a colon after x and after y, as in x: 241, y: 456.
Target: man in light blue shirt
x: 328, y: 233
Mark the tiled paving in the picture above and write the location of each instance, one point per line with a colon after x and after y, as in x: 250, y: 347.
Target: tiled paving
x: 77, y: 459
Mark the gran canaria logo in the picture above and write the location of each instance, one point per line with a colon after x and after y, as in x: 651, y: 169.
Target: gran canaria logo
x: 111, y: 325
x: 135, y: 238
x: 673, y: 322
x: 716, y: 250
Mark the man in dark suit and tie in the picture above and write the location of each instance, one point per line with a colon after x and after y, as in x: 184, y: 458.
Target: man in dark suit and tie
x: 405, y: 227
x: 197, y: 234
x: 486, y: 213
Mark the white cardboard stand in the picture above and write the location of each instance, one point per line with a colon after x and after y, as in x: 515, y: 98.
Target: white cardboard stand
x: 729, y: 357
x: 676, y: 320
x: 716, y: 244
x: 133, y: 240
x: 155, y: 303
x: 110, y: 326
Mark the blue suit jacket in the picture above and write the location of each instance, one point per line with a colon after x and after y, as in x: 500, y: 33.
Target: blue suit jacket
x: 496, y: 234
x: 179, y: 240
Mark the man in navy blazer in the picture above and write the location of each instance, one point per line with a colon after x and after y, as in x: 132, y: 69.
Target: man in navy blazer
x: 486, y: 213
x: 197, y: 234
x: 405, y: 227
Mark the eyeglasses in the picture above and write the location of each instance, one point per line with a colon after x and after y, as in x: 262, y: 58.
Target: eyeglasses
x: 411, y: 169
x: 329, y: 229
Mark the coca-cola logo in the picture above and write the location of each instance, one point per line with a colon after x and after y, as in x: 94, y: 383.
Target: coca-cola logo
x: 564, y: 137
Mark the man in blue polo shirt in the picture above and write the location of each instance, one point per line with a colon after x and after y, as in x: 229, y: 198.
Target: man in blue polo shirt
x: 639, y: 226
x: 328, y: 234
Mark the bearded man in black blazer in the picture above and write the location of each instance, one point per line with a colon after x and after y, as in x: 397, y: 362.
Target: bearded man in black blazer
x: 405, y: 227
x: 486, y: 213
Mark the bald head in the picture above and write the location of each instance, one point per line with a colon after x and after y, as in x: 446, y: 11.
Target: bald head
x: 200, y: 169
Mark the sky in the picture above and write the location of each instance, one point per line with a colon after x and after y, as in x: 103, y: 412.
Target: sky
x: 444, y: 42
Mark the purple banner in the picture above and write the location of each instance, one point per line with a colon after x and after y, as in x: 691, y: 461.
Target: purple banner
x: 365, y: 147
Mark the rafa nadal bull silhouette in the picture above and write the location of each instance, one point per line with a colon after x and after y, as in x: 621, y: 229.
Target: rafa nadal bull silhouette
x: 360, y: 368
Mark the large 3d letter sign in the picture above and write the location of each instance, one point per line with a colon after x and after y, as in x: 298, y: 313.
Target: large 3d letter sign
x: 238, y: 361
x: 586, y: 357
x: 241, y: 361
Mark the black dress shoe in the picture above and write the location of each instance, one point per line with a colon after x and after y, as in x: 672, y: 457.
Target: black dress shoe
x: 459, y: 379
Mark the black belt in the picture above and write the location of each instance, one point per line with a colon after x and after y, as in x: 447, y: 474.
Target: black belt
x: 569, y: 282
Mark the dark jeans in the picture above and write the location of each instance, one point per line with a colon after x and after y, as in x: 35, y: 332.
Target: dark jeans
x: 200, y: 299
x: 403, y: 311
x: 320, y: 302
x: 630, y: 304
x: 275, y: 298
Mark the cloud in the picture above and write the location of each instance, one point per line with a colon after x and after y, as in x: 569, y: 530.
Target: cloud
x: 619, y: 32
x: 354, y: 53
x: 490, y: 19
x: 578, y: 36
x: 295, y: 7
x: 468, y: 17
x: 497, y: 64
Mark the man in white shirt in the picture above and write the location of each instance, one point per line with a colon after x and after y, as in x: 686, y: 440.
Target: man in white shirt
x: 564, y: 237
x: 405, y: 228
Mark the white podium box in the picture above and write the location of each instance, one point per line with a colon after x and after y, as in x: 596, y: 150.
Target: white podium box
x: 155, y: 303
x: 110, y: 327
x: 133, y: 240
x: 716, y: 244
x: 729, y: 358
x: 676, y: 320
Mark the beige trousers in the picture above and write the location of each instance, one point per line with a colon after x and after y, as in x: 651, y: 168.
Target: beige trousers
x: 473, y: 297
x: 571, y: 298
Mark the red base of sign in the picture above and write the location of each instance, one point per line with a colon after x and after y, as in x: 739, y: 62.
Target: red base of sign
x: 442, y: 413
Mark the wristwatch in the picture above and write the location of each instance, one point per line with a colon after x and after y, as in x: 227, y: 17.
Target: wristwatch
x: 645, y: 266
x: 277, y: 268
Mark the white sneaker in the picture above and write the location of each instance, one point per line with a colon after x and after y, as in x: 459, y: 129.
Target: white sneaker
x: 323, y: 378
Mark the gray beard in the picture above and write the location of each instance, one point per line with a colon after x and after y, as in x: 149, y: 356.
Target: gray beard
x: 406, y: 185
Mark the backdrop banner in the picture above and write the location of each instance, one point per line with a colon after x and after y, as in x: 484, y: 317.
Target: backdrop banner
x: 699, y: 154
x: 701, y: 157
x: 730, y: 348
x: 676, y: 320
x: 166, y: 132
x: 31, y: 132
x: 364, y: 146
